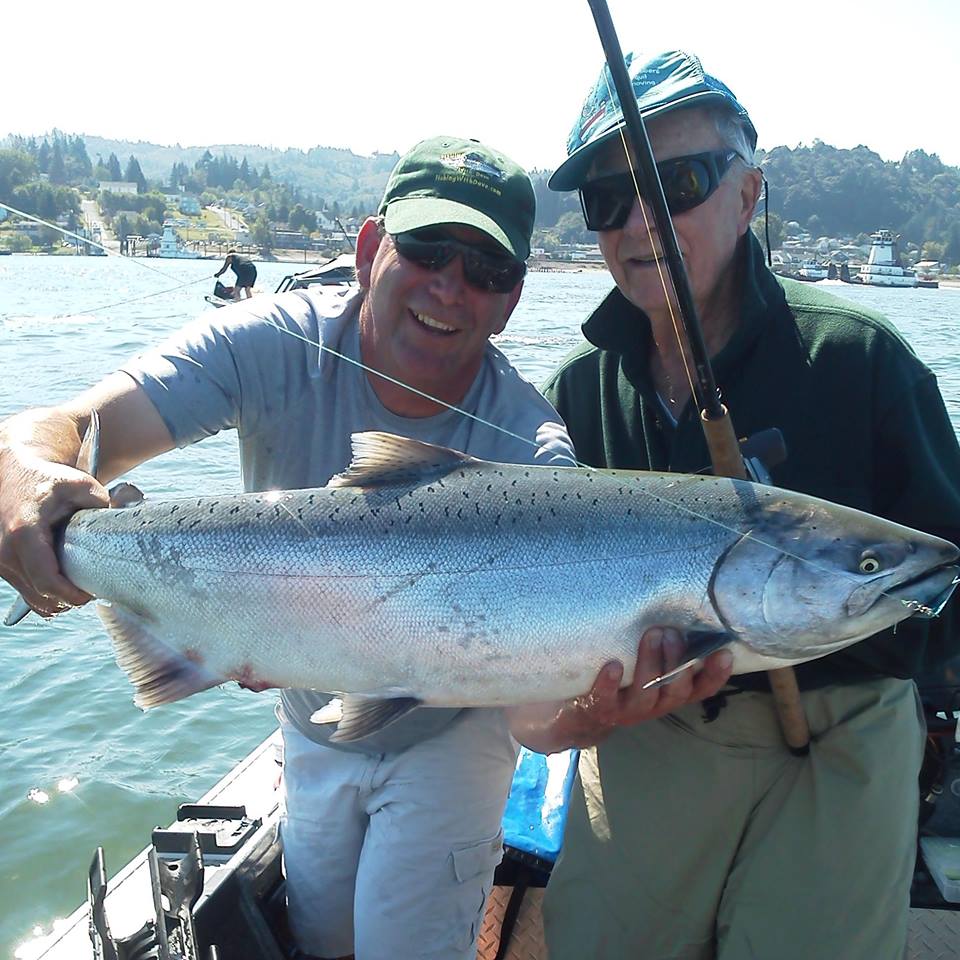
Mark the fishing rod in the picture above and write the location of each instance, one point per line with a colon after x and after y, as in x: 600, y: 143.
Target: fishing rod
x: 343, y: 230
x: 19, y: 609
x: 109, y: 253
x: 715, y: 419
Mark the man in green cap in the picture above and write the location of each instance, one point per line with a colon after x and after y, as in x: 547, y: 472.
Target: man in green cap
x: 700, y: 835
x: 390, y: 842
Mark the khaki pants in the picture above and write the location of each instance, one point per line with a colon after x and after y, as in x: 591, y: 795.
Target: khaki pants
x: 391, y: 856
x: 692, y: 841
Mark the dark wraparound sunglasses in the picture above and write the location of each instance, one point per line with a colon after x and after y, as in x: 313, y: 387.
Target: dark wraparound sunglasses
x: 687, y: 182
x: 486, y: 271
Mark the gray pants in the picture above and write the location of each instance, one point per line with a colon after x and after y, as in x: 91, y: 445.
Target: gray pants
x: 693, y: 841
x: 392, y: 856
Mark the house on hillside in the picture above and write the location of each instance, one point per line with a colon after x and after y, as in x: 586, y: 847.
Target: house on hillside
x: 118, y: 186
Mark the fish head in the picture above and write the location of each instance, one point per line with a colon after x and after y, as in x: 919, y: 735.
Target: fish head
x: 811, y: 577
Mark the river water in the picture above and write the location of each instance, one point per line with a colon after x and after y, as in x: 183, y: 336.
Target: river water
x: 80, y: 765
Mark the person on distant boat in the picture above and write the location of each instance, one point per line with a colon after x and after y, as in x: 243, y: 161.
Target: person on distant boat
x: 390, y: 842
x: 245, y: 271
x: 700, y: 836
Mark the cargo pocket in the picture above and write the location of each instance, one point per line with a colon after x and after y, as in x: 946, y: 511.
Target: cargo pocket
x: 473, y: 867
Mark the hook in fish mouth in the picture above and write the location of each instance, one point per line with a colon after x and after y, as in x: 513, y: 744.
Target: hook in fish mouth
x: 915, y: 594
x: 935, y: 604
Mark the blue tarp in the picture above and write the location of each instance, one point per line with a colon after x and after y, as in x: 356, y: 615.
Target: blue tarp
x: 536, y: 811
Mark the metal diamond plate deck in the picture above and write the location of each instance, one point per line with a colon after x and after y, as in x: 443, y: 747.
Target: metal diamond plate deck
x: 527, y: 940
x: 934, y: 934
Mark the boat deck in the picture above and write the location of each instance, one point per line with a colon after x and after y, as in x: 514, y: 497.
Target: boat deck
x: 934, y: 933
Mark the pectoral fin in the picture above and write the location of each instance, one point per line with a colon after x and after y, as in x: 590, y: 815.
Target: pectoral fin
x: 18, y: 610
x: 158, y: 673
x: 700, y: 644
x: 362, y: 716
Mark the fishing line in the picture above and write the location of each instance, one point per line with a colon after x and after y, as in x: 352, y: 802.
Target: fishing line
x: 109, y: 253
x: 915, y: 605
x: 607, y: 475
x: 658, y: 260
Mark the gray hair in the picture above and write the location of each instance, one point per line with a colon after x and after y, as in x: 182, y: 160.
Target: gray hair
x: 733, y: 132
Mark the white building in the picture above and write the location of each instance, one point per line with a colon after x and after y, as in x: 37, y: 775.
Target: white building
x: 118, y: 186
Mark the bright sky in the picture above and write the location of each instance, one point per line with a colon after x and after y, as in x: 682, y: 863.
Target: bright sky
x: 381, y: 74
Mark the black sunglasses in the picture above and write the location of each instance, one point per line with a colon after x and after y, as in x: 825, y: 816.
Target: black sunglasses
x: 433, y: 250
x: 687, y: 182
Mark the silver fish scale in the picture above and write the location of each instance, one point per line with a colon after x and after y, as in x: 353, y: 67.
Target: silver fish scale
x: 491, y: 584
x: 471, y: 587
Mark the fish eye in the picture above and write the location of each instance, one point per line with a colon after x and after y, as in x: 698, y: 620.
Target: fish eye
x: 869, y: 562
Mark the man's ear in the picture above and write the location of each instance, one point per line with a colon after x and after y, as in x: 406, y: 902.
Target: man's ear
x: 368, y: 243
x: 750, y: 187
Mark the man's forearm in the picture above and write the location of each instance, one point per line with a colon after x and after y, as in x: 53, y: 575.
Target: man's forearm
x: 43, y: 432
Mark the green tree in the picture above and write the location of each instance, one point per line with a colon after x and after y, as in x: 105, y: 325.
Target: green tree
x: 775, y: 227
x: 19, y: 243
x: 133, y: 174
x: 570, y: 228
x: 951, y: 251
x: 16, y: 169
x: 57, y: 170
x: 261, y: 233
x: 113, y: 165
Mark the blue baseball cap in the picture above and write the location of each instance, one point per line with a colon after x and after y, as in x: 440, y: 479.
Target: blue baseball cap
x: 669, y: 81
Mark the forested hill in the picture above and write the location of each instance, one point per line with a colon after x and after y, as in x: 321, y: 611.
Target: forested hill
x: 333, y: 173
x: 826, y: 190
x: 849, y: 192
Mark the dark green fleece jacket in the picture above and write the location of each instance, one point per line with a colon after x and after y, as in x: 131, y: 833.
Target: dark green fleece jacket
x: 862, y: 417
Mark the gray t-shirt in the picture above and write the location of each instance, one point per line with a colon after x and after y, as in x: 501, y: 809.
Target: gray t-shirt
x: 257, y: 367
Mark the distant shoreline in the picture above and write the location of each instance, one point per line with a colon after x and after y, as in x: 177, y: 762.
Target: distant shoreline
x: 534, y: 265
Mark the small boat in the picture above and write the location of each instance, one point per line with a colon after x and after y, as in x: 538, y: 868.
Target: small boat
x: 211, y: 884
x: 928, y: 274
x: 883, y: 267
x: 339, y: 274
x: 812, y: 271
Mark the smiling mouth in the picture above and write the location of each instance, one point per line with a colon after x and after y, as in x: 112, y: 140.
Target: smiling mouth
x: 431, y: 323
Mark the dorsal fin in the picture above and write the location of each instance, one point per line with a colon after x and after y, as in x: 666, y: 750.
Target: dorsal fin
x: 384, y: 459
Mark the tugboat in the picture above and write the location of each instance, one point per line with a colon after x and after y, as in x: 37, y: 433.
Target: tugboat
x: 171, y: 247
x: 883, y: 267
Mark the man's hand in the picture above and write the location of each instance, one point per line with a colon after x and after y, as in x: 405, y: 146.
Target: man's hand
x: 588, y: 719
x: 35, y: 496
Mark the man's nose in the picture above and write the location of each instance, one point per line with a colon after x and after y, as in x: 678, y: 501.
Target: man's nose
x: 448, y: 283
x: 640, y: 219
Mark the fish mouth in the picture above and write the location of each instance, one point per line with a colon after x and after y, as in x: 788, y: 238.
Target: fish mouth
x: 926, y: 594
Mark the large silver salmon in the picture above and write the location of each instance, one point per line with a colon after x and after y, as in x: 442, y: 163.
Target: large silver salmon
x: 423, y: 576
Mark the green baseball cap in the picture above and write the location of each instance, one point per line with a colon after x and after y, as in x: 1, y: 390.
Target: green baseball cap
x: 668, y: 81
x: 451, y: 180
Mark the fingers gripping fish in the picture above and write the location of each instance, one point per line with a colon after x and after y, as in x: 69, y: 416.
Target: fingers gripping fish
x: 422, y: 576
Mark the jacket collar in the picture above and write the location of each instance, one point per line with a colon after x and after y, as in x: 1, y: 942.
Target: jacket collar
x: 620, y: 327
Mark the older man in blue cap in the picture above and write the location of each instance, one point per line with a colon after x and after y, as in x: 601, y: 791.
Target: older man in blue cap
x: 701, y: 835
